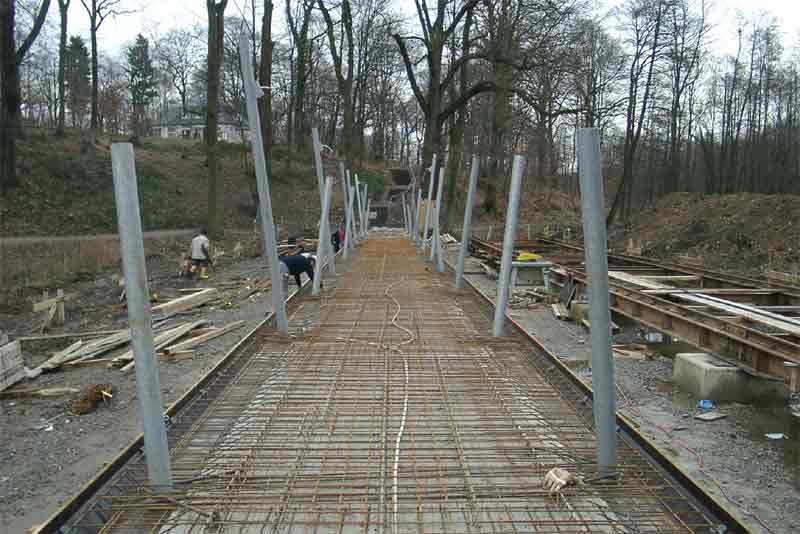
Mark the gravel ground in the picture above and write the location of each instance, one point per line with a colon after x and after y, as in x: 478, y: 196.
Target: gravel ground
x: 47, y: 453
x: 731, y: 458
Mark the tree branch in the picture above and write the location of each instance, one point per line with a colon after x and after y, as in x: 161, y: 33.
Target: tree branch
x: 461, y: 100
x: 412, y: 79
x: 38, y: 22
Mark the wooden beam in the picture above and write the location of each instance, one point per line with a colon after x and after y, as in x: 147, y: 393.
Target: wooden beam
x: 186, y: 302
x: 199, y: 340
x: 711, y: 291
x: 48, y: 302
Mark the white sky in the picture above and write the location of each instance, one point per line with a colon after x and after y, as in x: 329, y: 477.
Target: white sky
x: 160, y: 15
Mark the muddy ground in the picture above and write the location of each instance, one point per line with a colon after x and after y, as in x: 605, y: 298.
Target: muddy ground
x: 47, y: 453
x: 731, y: 458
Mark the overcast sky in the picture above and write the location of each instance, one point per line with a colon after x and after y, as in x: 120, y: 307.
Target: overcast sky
x: 160, y: 15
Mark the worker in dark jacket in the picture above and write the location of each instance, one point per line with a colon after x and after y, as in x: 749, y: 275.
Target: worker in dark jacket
x: 294, y: 265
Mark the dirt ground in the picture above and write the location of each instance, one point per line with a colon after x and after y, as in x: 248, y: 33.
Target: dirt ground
x: 731, y: 458
x: 47, y: 453
x: 743, y: 232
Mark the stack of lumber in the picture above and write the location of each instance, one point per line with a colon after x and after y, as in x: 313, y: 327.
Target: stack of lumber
x: 12, y: 368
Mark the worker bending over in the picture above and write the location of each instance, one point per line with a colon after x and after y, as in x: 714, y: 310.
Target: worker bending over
x: 297, y: 264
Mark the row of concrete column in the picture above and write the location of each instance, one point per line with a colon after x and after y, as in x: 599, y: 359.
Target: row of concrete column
x: 594, y: 230
x: 357, y: 221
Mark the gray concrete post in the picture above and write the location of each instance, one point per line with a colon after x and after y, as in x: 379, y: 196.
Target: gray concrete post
x: 465, y: 230
x: 405, y: 213
x: 352, y: 204
x: 366, y: 210
x: 416, y: 214
x: 428, y: 204
x: 594, y: 237
x: 436, y: 245
x: 324, y: 248
x: 508, y: 245
x: 326, y: 204
x: 360, y: 230
x: 134, y: 268
x: 252, y: 92
x: 346, y: 204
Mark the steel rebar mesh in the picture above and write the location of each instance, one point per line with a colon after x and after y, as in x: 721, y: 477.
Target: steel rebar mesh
x: 390, y: 409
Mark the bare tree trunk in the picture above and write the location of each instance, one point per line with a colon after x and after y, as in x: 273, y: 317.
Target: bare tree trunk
x: 216, y: 194
x: 10, y: 60
x: 265, y: 77
x: 9, y: 99
x: 94, y: 121
x: 63, y: 6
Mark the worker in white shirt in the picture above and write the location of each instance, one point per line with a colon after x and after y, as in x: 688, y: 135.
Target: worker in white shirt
x: 200, y: 254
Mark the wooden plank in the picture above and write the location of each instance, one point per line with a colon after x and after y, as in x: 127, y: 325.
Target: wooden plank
x: 186, y: 302
x: 191, y: 343
x: 48, y: 337
x: 160, y: 342
x: 672, y: 278
x: 588, y: 325
x: 636, y: 280
x: 37, y: 392
x: 711, y: 291
x: 751, y: 313
x: 48, y: 302
x: 12, y: 368
x: 97, y: 362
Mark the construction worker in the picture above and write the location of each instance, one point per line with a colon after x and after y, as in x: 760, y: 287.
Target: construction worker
x: 200, y: 254
x: 294, y: 265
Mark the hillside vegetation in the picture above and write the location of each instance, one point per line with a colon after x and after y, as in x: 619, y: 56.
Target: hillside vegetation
x: 67, y: 186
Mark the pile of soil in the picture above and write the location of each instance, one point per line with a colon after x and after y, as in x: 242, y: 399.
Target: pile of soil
x: 743, y: 232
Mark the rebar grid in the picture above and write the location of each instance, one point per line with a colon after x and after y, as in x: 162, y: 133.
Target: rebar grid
x: 390, y: 409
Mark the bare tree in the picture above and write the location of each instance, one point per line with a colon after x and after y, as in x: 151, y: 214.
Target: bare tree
x: 216, y: 195
x: 10, y: 59
x: 344, y: 65
x: 435, y: 35
x: 98, y: 11
x: 644, y: 19
x: 178, y: 53
x: 63, y: 7
x: 265, y: 78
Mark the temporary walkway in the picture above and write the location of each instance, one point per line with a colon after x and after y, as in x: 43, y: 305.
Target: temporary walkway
x: 389, y: 410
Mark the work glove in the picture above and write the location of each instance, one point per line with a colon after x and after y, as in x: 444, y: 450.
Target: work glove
x: 557, y: 478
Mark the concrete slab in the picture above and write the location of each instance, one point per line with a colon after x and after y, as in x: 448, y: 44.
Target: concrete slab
x: 707, y: 377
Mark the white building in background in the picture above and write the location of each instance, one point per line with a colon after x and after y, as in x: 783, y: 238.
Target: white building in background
x: 195, y: 128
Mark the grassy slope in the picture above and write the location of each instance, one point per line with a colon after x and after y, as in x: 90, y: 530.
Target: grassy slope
x: 67, y: 187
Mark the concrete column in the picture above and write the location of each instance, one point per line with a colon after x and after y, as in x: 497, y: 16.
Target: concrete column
x: 594, y: 237
x: 134, y: 268
x: 405, y: 213
x: 360, y: 230
x: 346, y: 245
x: 252, y: 92
x: 366, y: 211
x: 437, y: 238
x: 428, y: 204
x: 324, y: 248
x: 508, y: 245
x: 349, y: 237
x: 351, y: 203
x: 416, y: 214
x: 326, y: 203
x: 465, y: 230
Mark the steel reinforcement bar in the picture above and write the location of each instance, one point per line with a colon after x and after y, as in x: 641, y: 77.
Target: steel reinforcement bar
x: 391, y: 409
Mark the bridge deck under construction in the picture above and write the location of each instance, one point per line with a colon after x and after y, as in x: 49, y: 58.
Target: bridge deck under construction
x: 390, y: 409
